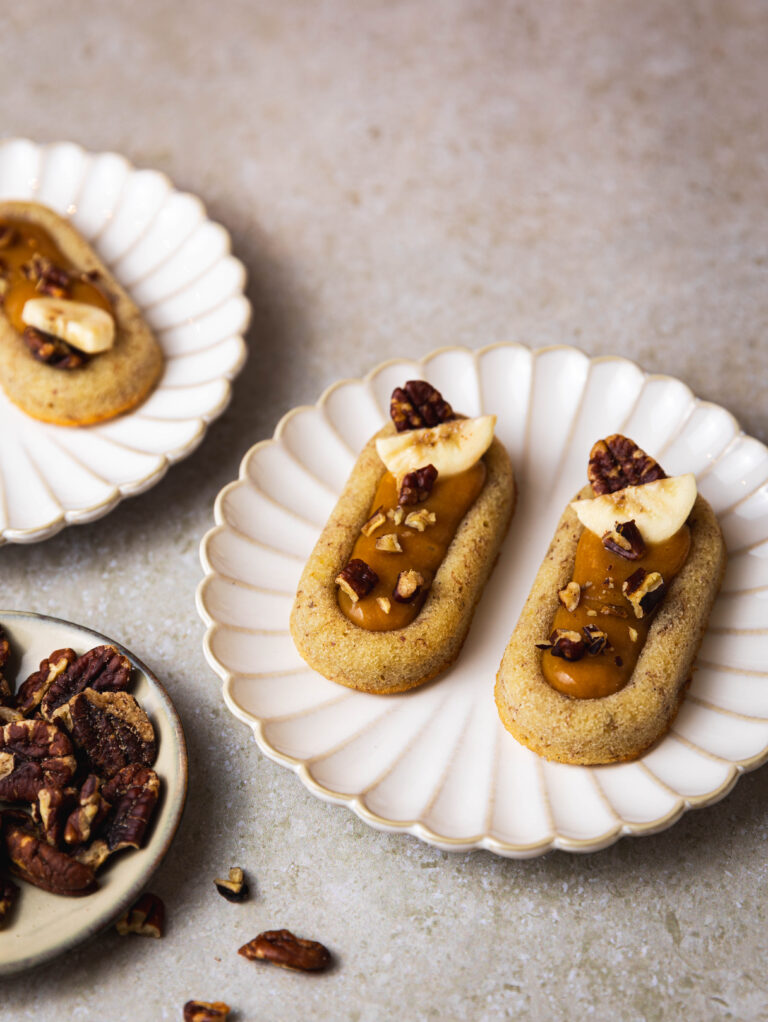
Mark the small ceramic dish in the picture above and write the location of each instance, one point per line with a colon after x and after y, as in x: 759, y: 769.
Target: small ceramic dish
x: 176, y: 265
x: 44, y: 925
x: 436, y: 762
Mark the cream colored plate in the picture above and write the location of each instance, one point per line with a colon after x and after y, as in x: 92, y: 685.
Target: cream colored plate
x: 44, y: 925
x: 177, y: 266
x: 436, y: 762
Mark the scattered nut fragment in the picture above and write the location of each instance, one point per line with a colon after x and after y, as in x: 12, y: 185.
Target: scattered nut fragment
x: 357, y: 579
x: 633, y: 634
x: 51, y: 350
x: 146, y: 917
x: 418, y: 404
x: 611, y: 610
x: 644, y: 590
x: 7, y: 236
x: 92, y: 809
x: 617, y: 462
x: 389, y: 544
x: 408, y: 586
x: 397, y: 514
x: 625, y: 540
x: 417, y: 485
x: 206, y: 1011
x: 420, y: 519
x: 570, y: 596
x: 235, y: 888
x: 377, y: 519
x: 281, y: 947
x: 596, y: 638
x: 591, y: 613
x: 385, y: 603
x: 568, y: 644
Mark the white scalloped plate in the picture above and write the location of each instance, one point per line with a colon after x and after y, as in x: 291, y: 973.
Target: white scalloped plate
x: 43, y: 925
x: 177, y: 266
x: 436, y: 762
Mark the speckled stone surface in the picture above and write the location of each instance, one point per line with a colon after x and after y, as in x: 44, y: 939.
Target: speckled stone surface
x: 398, y: 176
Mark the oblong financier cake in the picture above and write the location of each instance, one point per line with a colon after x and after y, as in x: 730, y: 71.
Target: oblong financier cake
x: 622, y: 725
x: 400, y: 659
x: 109, y: 383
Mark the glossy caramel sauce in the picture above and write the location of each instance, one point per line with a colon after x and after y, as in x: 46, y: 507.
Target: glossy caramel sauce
x: 29, y: 239
x: 601, y: 675
x: 449, y: 501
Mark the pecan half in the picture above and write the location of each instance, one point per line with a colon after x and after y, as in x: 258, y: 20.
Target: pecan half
x: 568, y: 644
x: 418, y: 404
x: 146, y: 917
x: 111, y: 729
x: 132, y: 794
x: 625, y: 540
x: 34, y: 689
x: 570, y: 597
x: 617, y: 462
x: 417, y: 485
x: 235, y: 887
x: 645, y: 590
x: 101, y: 668
x: 281, y: 947
x: 9, y: 892
x: 357, y: 579
x: 408, y: 586
x: 43, y: 865
x: 52, y: 350
x: 206, y: 1011
x: 596, y: 638
x: 33, y: 754
x: 92, y: 809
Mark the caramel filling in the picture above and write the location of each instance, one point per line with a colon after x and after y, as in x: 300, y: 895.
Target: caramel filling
x: 28, y: 241
x: 423, y: 552
x: 603, y: 572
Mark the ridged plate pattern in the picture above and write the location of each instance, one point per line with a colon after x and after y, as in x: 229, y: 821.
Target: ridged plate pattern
x: 177, y: 266
x: 436, y: 762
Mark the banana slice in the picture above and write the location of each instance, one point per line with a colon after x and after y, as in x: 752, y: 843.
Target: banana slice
x: 86, y: 327
x: 452, y: 447
x: 658, y: 509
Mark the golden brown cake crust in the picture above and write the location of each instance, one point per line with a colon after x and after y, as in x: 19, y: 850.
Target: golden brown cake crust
x: 623, y: 725
x: 110, y: 383
x: 386, y: 662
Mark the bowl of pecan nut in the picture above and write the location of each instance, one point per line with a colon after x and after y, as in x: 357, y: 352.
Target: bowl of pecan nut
x: 93, y: 779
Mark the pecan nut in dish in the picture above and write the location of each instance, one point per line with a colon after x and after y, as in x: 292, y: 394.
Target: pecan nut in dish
x: 281, y: 947
x: 110, y: 728
x: 102, y: 669
x: 39, y: 863
x: 33, y: 754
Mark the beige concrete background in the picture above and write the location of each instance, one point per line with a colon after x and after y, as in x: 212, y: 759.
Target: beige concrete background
x: 396, y: 176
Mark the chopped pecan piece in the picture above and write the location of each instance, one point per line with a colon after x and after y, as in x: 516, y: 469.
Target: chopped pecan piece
x: 92, y: 809
x: 568, y: 644
x: 633, y: 634
x: 596, y: 638
x: 420, y: 519
x: 51, y: 811
x: 53, y: 281
x: 8, y: 715
x: 377, y: 519
x: 570, y: 596
x: 146, y: 917
x: 132, y: 794
x: 417, y: 485
x: 52, y: 350
x: 111, y: 729
x: 33, y: 754
x: 9, y: 892
x: 235, y: 887
x: 418, y: 404
x: 611, y: 610
x: 281, y: 947
x: 34, y: 689
x: 35, y: 267
x: 397, y: 514
x: 625, y: 540
x: 389, y: 544
x: 617, y: 462
x: 101, y: 668
x: 384, y: 603
x: 357, y: 579
x: 206, y: 1011
x: 43, y: 865
x: 645, y: 590
x: 408, y: 586
x: 7, y: 236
